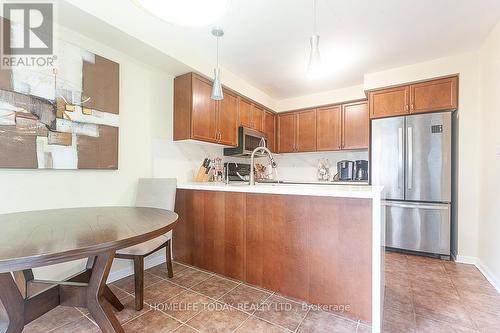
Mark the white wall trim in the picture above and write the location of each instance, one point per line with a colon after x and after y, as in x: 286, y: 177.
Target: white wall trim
x: 488, y: 274
x: 467, y: 260
x: 148, y: 263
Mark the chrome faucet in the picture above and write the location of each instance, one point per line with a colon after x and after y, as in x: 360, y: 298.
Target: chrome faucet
x: 252, y: 162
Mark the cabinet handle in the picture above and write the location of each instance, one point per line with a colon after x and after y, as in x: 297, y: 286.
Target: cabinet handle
x: 407, y: 107
x: 412, y: 107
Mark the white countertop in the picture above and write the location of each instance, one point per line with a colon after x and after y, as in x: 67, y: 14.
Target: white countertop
x: 342, y: 191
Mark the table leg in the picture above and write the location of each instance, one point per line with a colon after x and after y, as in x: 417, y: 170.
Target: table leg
x: 12, y: 319
x: 98, y: 307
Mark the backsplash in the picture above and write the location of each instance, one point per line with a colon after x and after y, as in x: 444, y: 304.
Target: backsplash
x: 304, y: 166
x: 183, y: 159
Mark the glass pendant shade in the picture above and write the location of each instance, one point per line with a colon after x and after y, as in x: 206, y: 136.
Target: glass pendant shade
x: 217, y: 93
x: 314, y: 66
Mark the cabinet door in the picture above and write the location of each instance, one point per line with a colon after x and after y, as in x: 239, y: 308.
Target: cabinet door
x: 227, y: 120
x: 328, y: 128
x: 269, y: 129
x: 245, y: 113
x: 257, y: 117
x: 204, y: 117
x: 306, y: 131
x: 436, y: 95
x: 286, y: 132
x: 355, y: 126
x: 389, y: 102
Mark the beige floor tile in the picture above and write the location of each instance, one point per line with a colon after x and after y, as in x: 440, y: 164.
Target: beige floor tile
x: 190, y: 277
x: 186, y: 305
x: 219, y: 318
x: 255, y: 325
x: 185, y: 329
x: 161, y: 270
x: 215, y: 287
x: 324, y: 322
x: 129, y: 312
x: 282, y: 311
x: 57, y: 317
x: 82, y: 325
x: 427, y: 325
x: 245, y: 298
x: 153, y: 321
x: 161, y: 292
x: 127, y: 284
x: 364, y: 329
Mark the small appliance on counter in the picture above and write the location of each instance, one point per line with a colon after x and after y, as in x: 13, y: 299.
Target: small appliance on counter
x: 361, y: 167
x: 345, y: 170
x: 237, y: 172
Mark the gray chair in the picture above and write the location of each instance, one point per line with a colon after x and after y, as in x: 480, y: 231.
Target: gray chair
x: 153, y: 193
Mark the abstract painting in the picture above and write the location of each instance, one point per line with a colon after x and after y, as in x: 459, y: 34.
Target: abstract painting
x: 61, y: 117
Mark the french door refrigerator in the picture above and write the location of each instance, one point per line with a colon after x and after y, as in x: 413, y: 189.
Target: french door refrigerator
x: 411, y: 158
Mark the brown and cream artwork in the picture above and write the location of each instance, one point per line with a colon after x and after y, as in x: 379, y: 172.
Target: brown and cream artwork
x: 62, y: 117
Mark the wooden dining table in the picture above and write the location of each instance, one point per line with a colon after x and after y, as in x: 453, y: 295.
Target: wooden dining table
x: 42, y: 238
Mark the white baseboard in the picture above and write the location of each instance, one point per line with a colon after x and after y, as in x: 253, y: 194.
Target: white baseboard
x: 488, y: 274
x: 467, y: 260
x: 124, y: 272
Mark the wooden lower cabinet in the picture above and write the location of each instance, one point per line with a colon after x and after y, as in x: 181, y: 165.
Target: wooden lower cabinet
x: 317, y: 249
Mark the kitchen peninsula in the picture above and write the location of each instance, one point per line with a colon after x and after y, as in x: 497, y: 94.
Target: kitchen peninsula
x: 318, y: 243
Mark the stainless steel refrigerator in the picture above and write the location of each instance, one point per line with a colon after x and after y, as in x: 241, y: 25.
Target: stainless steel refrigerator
x: 411, y: 158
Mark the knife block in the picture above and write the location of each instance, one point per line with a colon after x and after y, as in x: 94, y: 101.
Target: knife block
x: 202, y: 176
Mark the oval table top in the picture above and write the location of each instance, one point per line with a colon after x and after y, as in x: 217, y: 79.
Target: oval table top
x: 41, y: 238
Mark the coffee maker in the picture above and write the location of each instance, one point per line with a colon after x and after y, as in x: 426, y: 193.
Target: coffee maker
x: 345, y: 170
x: 361, y: 167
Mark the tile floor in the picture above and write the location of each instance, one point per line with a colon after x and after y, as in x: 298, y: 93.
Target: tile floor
x: 422, y: 295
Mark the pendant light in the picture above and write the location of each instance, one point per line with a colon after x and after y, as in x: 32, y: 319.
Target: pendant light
x: 314, y: 67
x: 217, y: 93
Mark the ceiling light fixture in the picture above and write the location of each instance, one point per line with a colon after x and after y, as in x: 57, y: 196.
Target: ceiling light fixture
x: 217, y: 93
x: 314, y: 67
x: 185, y: 12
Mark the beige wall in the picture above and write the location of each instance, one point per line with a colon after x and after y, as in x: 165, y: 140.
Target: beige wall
x: 466, y: 65
x: 489, y: 195
x: 144, y: 92
x: 323, y: 98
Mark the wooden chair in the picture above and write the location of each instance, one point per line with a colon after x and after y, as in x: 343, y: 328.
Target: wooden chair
x: 153, y: 193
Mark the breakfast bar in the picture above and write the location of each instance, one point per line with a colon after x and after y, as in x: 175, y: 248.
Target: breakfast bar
x: 321, y: 244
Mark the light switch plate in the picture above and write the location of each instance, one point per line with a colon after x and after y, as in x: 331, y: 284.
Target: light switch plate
x: 498, y: 149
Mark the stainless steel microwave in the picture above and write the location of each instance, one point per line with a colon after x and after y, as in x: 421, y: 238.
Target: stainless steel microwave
x: 248, y: 140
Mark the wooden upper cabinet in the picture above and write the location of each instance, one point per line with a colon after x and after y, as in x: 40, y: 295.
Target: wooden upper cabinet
x: 287, y: 125
x: 245, y: 113
x: 389, y: 102
x: 428, y: 96
x: 198, y: 117
x: 227, y: 119
x: 269, y: 129
x: 328, y: 128
x: 306, y: 131
x: 355, y: 126
x: 204, y: 116
x: 257, y: 117
x: 435, y: 95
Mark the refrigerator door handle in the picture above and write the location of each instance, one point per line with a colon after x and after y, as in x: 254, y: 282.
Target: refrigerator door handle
x: 401, y: 157
x: 410, y: 157
x: 419, y: 206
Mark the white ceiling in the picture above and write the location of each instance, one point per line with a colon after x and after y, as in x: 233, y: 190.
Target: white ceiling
x: 266, y: 42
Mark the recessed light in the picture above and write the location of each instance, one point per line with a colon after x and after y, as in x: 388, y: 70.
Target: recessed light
x: 185, y: 12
